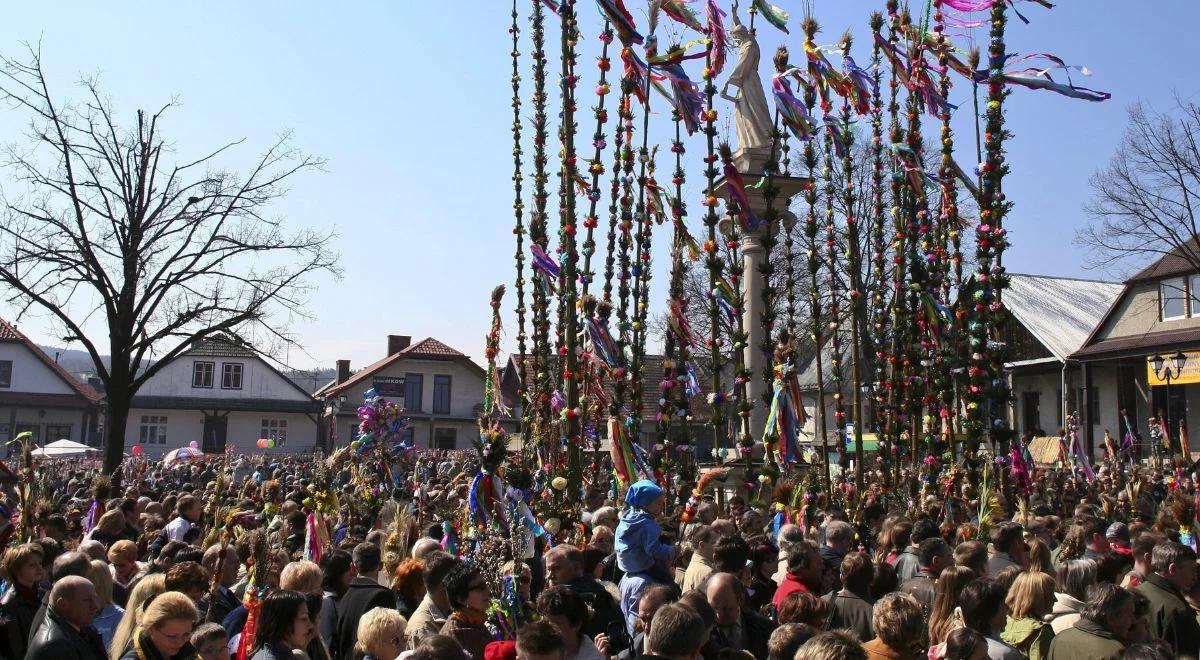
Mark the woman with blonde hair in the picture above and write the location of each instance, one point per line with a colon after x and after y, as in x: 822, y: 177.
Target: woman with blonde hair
x: 165, y: 629
x: 108, y: 529
x: 305, y: 577
x: 945, y: 599
x: 380, y: 635
x: 1040, y: 557
x: 146, y: 589
x: 110, y: 614
x: 1029, y: 601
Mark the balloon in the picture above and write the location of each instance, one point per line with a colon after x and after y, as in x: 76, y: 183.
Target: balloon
x: 262, y: 443
x: 194, y: 445
x: 270, y: 442
x: 137, y: 450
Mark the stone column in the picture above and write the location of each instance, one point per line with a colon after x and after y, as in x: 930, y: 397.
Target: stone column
x: 750, y: 163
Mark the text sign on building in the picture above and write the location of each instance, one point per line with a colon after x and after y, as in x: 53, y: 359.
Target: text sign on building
x: 388, y: 385
x: 1190, y: 373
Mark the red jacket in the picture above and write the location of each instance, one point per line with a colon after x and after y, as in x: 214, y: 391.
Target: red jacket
x: 791, y: 583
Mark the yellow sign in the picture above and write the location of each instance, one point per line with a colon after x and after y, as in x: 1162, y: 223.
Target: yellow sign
x: 1190, y: 373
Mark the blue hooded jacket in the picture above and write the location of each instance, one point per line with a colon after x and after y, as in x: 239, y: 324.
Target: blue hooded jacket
x: 637, y: 535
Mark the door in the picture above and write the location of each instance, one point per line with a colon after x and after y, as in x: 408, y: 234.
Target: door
x: 1031, y: 411
x: 215, y: 428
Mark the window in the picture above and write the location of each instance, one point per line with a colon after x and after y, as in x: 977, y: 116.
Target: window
x: 34, y: 430
x: 1194, y: 295
x: 231, y: 376
x: 202, y: 374
x: 445, y: 439
x: 58, y: 432
x: 153, y: 430
x: 412, y: 392
x: 406, y: 436
x: 6, y: 373
x: 441, y: 395
x: 274, y: 429
x: 1172, y: 296
x: 1094, y: 406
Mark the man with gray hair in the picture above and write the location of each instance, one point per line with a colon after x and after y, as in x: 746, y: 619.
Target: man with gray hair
x: 839, y: 536
x: 1171, y: 619
x: 67, y: 632
x: 789, y: 536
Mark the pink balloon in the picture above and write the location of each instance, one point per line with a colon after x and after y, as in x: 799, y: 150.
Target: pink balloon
x: 194, y: 445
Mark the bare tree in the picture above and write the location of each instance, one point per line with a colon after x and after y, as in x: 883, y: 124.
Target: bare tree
x: 166, y: 254
x: 1144, y: 202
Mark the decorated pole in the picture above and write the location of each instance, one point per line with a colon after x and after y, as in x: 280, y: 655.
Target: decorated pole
x: 570, y: 336
x: 714, y: 62
x: 539, y: 396
x: 519, y: 213
x: 878, y: 248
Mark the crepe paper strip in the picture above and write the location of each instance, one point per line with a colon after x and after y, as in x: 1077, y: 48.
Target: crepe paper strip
x: 736, y: 186
x: 680, y: 12
x: 792, y: 111
x: 772, y: 14
x: 622, y: 21
x: 719, y: 46
x: 859, y: 86
x: 621, y: 452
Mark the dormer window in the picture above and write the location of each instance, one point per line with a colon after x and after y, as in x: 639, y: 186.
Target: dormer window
x: 1173, y: 299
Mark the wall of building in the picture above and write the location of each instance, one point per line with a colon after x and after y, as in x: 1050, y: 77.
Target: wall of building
x: 258, y: 381
x: 1049, y: 385
x: 1138, y: 314
x: 42, y: 419
x: 30, y: 374
x: 244, y: 430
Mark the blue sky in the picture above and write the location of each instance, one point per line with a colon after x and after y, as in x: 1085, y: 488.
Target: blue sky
x: 409, y: 102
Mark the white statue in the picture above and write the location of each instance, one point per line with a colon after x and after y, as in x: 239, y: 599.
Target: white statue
x: 752, y: 115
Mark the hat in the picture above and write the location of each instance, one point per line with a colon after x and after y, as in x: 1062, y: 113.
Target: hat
x: 500, y: 651
x: 1118, y: 530
x: 642, y: 493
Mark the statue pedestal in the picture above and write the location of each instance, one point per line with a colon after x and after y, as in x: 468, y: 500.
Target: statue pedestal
x: 750, y: 163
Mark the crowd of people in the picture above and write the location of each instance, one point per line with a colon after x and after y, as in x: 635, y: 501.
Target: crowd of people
x: 226, y: 558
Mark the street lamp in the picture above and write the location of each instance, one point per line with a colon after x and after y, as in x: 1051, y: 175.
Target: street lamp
x: 1168, y: 373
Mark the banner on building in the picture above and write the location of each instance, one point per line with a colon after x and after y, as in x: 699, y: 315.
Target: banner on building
x: 1189, y: 375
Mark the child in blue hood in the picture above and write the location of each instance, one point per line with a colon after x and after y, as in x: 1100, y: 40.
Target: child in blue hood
x: 639, y: 549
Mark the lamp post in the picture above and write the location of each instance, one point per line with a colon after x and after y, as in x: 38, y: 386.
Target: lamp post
x: 1168, y: 372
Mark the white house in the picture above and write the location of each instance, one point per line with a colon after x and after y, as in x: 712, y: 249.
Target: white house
x: 1051, y: 318
x: 440, y: 388
x: 39, y: 396
x: 219, y: 394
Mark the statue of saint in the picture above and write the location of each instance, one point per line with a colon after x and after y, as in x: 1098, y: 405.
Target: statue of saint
x: 752, y: 115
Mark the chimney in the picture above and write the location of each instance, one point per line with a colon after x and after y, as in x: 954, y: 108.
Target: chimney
x: 397, y: 343
x: 343, y: 371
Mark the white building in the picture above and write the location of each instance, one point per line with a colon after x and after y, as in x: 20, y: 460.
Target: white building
x: 39, y: 396
x: 1052, y: 317
x: 222, y: 394
x: 440, y: 388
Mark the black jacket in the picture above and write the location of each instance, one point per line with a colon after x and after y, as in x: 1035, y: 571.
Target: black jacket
x: 833, y: 564
x: 151, y: 653
x: 363, y: 595
x: 58, y: 640
x: 849, y: 611
x: 17, y: 617
x: 606, y: 617
x: 921, y: 587
x: 756, y: 632
x: 218, y: 608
